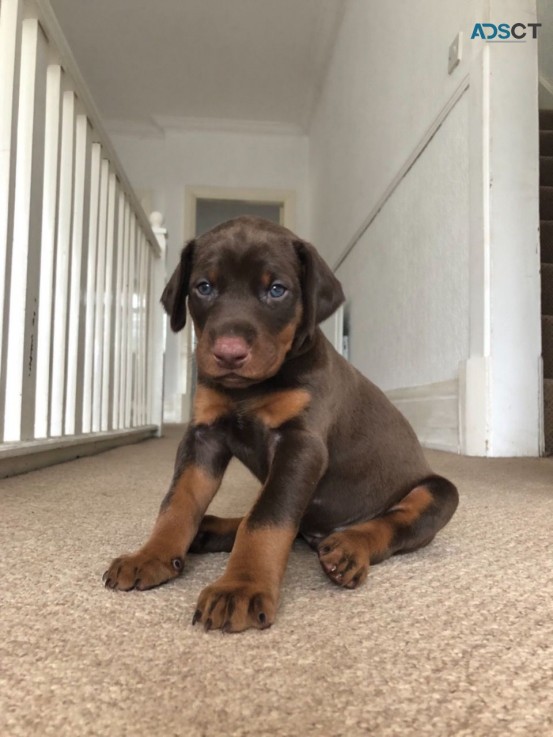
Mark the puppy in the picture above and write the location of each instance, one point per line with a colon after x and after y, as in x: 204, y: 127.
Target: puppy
x: 337, y: 462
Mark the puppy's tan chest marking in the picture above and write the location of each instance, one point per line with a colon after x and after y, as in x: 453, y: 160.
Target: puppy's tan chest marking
x: 273, y: 410
x: 276, y: 409
x: 210, y: 405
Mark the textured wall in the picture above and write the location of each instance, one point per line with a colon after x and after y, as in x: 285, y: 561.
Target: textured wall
x: 407, y: 279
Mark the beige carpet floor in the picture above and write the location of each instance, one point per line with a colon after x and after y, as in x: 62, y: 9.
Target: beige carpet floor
x: 456, y: 639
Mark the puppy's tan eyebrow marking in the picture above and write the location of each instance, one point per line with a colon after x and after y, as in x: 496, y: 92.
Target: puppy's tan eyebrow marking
x: 213, y: 275
x: 266, y: 279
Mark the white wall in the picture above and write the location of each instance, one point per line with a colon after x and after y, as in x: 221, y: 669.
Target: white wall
x: 424, y: 195
x: 407, y: 278
x: 165, y: 166
x: 387, y: 82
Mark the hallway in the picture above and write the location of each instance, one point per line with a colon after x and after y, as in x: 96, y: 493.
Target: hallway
x: 455, y: 639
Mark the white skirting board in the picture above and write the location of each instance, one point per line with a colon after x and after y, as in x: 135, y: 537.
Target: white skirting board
x: 433, y: 411
x: 30, y: 455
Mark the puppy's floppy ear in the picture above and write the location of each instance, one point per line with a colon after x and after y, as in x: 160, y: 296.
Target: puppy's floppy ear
x: 322, y: 292
x: 175, y: 293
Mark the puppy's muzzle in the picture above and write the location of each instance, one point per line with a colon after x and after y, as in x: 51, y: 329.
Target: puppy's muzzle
x: 231, y: 352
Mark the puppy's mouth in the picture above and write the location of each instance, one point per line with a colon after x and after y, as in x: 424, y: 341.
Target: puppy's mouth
x: 232, y: 380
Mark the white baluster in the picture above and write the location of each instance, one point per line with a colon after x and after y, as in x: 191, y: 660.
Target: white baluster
x: 157, y: 326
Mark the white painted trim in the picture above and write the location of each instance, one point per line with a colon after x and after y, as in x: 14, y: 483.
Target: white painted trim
x: 228, y: 125
x: 284, y: 197
x: 404, y: 169
x: 546, y: 92
x: 10, y: 64
x: 158, y: 126
x: 134, y: 128
x: 433, y: 412
x: 33, y: 454
x: 29, y: 173
x: 501, y: 380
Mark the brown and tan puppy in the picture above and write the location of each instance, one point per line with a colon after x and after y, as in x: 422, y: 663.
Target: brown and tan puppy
x: 338, y: 464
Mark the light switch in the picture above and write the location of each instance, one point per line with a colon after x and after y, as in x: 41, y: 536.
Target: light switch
x: 455, y: 52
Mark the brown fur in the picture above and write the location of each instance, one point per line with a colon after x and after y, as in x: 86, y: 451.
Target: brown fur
x: 339, y: 465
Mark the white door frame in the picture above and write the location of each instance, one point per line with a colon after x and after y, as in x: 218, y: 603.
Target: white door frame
x: 284, y: 197
x: 501, y: 402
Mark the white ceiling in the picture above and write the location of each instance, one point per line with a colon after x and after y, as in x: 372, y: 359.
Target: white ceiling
x: 207, y: 63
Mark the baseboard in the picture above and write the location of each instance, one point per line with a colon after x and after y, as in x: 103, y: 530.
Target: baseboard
x: 433, y: 411
x: 16, y: 458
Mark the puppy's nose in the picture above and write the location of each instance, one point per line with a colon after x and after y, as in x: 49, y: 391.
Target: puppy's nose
x: 231, y: 352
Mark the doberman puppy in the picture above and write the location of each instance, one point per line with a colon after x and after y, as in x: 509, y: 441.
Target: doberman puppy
x: 338, y: 463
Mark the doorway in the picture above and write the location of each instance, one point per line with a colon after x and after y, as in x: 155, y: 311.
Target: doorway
x: 210, y: 213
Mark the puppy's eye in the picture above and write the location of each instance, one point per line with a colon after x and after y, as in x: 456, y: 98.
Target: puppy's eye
x: 204, y: 288
x: 277, y: 290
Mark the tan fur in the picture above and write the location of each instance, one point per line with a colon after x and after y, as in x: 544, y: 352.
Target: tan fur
x: 209, y: 405
x: 276, y: 409
x: 412, y: 506
x: 260, y: 554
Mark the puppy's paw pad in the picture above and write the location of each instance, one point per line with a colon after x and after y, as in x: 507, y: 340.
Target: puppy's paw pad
x: 344, y: 557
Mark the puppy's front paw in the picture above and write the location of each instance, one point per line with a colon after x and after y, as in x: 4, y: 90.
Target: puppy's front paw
x: 141, y: 570
x: 234, y: 606
x: 344, y: 557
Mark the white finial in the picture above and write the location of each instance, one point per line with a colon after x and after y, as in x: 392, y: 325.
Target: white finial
x: 156, y: 219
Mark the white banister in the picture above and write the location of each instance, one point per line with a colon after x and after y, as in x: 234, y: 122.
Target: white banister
x: 11, y: 14
x: 81, y: 267
x: 23, y: 249
x: 156, y: 329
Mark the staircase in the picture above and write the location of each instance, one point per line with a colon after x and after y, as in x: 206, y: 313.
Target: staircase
x: 546, y: 218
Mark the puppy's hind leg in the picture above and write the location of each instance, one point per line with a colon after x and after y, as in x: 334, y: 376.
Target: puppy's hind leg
x: 215, y: 535
x: 410, y: 524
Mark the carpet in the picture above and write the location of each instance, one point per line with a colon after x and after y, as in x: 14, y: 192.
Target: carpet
x: 455, y: 639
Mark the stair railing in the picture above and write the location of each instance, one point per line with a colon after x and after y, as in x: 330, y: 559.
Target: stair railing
x: 81, y: 268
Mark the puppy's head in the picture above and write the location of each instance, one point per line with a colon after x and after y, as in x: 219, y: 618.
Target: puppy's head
x: 255, y: 291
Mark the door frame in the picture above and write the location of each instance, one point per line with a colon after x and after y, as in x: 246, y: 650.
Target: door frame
x: 286, y: 198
